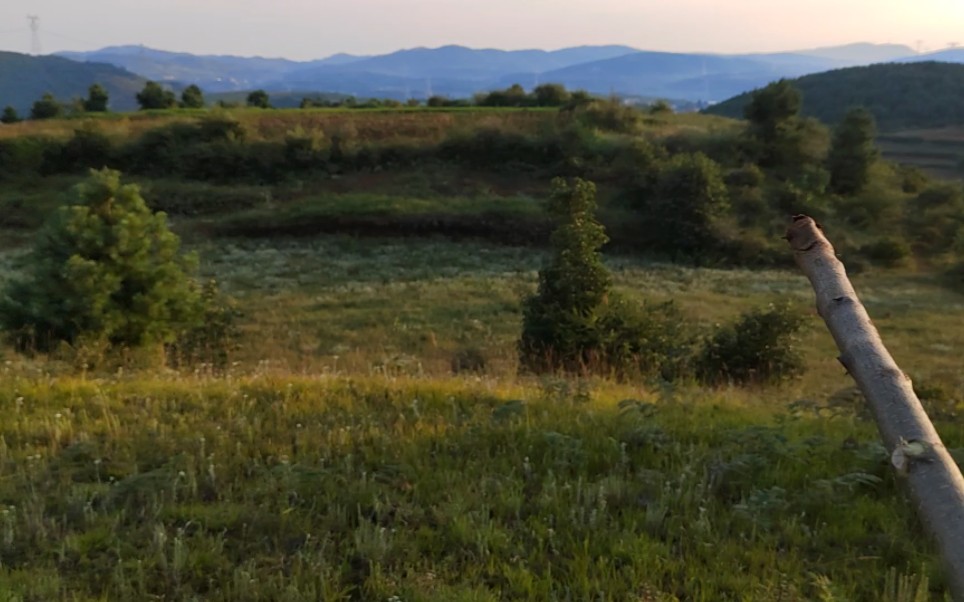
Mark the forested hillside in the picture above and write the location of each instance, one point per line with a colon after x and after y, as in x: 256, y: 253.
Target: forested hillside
x: 900, y: 96
x: 24, y: 79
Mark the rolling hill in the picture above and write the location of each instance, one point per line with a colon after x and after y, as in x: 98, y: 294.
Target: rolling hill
x: 25, y: 78
x: 461, y: 71
x: 900, y: 95
x: 950, y: 55
x: 691, y: 76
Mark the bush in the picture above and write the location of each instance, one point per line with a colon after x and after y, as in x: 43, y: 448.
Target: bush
x: 468, y: 360
x: 103, y: 270
x: 610, y: 115
x: 89, y: 148
x: 212, y: 338
x: 758, y: 348
x: 886, y: 252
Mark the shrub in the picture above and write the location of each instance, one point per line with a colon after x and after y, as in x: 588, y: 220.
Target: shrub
x: 610, y: 115
x: 758, y: 348
x: 104, y: 269
x: 212, y: 338
x: 468, y: 360
x: 305, y: 150
x: 886, y: 252
x: 89, y: 148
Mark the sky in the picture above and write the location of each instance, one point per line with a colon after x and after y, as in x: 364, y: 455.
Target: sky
x: 308, y: 29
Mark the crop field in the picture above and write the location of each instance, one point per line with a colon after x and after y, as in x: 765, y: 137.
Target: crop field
x: 939, y: 152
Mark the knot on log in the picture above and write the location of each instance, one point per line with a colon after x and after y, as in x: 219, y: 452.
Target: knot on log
x: 804, y: 234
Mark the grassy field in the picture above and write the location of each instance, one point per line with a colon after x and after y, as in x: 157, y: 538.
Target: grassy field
x: 345, y: 451
x: 338, y: 458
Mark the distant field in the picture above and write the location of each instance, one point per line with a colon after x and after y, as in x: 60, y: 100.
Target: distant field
x: 939, y: 152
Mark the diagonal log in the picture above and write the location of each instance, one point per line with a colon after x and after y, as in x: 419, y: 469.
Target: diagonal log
x: 917, y: 453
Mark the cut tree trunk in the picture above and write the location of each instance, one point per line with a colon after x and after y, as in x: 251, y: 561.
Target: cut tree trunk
x: 917, y: 453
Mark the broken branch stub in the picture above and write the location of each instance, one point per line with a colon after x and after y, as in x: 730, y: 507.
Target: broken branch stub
x: 917, y: 453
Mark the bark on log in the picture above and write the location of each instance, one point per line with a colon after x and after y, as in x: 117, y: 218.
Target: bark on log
x: 918, y: 455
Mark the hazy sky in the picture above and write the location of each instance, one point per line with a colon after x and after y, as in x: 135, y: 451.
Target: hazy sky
x: 303, y: 29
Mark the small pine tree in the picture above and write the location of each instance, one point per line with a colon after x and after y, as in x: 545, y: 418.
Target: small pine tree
x: 105, y: 269
x: 574, y: 322
x: 853, y: 152
x: 559, y: 320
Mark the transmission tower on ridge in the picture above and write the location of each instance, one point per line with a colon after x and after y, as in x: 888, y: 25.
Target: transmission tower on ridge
x: 34, y: 34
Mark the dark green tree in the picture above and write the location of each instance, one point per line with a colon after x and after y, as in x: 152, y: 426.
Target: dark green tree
x: 574, y: 322
x: 103, y: 269
x: 97, y: 99
x: 853, y: 152
x: 192, y: 98
x: 153, y: 96
x: 46, y: 108
x: 9, y: 115
x: 689, y: 199
x: 551, y: 95
x: 559, y: 320
x: 778, y: 137
x: 259, y: 99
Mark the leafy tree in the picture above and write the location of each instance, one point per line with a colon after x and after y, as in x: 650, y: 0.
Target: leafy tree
x: 104, y: 269
x: 46, y: 108
x: 551, y: 95
x: 690, y: 197
x: 853, y: 152
x: 259, y: 99
x: 97, y: 99
x: 192, y: 98
x: 153, y: 96
x: 778, y: 137
x: 9, y: 115
x: 513, y: 96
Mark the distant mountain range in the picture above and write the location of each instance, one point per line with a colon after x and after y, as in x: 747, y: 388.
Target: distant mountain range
x: 457, y: 71
x: 453, y: 71
x: 900, y: 95
x: 24, y: 79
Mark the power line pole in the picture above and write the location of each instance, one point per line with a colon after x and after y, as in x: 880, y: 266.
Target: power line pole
x: 35, y: 48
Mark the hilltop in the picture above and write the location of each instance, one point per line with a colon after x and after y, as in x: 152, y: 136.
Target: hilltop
x: 900, y: 95
x: 25, y: 78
